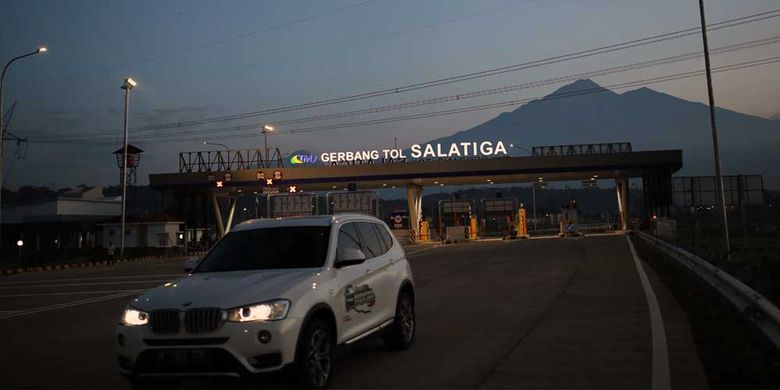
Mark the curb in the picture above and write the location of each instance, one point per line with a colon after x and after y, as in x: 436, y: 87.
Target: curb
x: 58, y: 267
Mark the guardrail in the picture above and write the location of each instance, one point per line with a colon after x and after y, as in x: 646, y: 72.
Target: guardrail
x: 757, y: 308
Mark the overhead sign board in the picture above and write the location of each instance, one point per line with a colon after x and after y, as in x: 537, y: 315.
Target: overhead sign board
x: 419, y: 151
x: 290, y: 205
x: 362, y: 202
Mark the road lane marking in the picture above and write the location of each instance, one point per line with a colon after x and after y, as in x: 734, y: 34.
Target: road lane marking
x: 87, y: 284
x: 58, y: 280
x: 660, y: 372
x: 64, y: 305
x: 422, y: 250
x: 65, y: 293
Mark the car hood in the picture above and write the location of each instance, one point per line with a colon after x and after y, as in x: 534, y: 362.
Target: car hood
x: 225, y: 289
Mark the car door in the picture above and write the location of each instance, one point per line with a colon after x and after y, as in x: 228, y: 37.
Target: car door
x: 378, y: 269
x: 355, y: 310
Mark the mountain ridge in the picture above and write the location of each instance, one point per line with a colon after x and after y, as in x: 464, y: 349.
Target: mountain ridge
x: 583, y: 112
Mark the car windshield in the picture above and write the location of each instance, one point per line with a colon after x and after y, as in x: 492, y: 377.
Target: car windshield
x: 269, y: 248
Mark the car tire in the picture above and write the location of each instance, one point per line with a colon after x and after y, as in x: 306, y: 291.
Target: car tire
x: 401, y: 334
x: 314, y: 361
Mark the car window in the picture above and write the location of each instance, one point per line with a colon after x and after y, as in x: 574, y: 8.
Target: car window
x: 385, y: 236
x: 372, y: 244
x: 348, y: 238
x: 269, y: 248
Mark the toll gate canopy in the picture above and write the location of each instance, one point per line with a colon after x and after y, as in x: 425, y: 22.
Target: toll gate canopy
x: 219, y: 174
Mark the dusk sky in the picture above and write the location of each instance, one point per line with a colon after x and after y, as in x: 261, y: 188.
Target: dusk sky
x: 203, y: 59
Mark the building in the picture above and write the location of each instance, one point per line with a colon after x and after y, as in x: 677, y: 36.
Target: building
x: 143, y: 232
x: 59, y: 228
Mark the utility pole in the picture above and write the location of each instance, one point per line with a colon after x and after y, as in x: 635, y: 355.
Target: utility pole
x: 715, y: 146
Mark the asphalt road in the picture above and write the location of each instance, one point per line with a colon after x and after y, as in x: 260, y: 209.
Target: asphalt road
x: 550, y: 313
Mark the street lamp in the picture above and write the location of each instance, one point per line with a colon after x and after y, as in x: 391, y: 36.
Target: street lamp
x: 127, y: 85
x: 533, y: 187
x: 216, y: 144
x: 521, y: 148
x: 20, y: 244
x: 2, y: 131
x: 265, y: 130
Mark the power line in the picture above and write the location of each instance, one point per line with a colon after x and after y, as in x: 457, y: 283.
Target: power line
x: 470, y: 76
x: 515, y: 102
x: 474, y: 94
x: 391, y: 35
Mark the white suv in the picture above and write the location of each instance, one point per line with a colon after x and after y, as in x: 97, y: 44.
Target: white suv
x: 272, y: 294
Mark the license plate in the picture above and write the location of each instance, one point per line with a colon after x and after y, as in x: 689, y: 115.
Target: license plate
x: 178, y: 357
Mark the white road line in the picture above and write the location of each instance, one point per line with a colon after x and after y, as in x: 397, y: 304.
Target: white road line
x: 660, y: 378
x: 87, y: 284
x: 58, y: 280
x: 64, y: 305
x: 65, y: 293
x: 422, y: 250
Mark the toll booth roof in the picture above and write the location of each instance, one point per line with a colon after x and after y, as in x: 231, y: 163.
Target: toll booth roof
x: 427, y: 173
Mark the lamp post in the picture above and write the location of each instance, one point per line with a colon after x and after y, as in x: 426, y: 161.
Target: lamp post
x: 20, y: 244
x: 266, y: 129
x: 127, y: 85
x: 216, y: 144
x: 2, y: 131
x: 533, y: 186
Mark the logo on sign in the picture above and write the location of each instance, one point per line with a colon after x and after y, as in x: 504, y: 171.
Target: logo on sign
x: 296, y: 159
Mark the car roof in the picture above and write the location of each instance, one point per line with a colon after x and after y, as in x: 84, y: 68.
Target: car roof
x: 314, y: 220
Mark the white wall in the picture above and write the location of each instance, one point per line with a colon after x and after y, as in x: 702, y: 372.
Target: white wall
x: 156, y: 229
x: 89, y: 207
x: 153, y: 231
x: 131, y: 236
x: 52, y: 210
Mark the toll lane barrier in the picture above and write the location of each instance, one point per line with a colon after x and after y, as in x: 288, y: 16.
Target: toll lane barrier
x: 58, y: 267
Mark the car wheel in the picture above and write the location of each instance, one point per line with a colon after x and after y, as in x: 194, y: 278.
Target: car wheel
x: 315, y: 355
x: 401, y: 334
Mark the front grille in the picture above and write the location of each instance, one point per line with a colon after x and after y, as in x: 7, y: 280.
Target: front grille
x: 202, y: 320
x: 165, y: 321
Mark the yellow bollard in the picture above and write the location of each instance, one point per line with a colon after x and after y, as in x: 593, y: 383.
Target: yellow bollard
x: 522, y: 225
x: 473, y: 231
x: 424, y: 231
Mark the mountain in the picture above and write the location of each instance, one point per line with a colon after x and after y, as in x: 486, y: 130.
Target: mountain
x: 775, y: 116
x: 584, y: 112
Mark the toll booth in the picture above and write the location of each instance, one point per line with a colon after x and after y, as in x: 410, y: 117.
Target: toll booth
x: 499, y: 217
x: 457, y: 221
x: 292, y: 205
x: 360, y: 202
x: 568, y: 220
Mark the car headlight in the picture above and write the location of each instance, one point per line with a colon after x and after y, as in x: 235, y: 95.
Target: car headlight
x: 266, y: 311
x: 134, y: 317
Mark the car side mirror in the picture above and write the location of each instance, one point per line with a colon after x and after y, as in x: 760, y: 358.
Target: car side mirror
x: 347, y: 257
x: 190, y: 264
